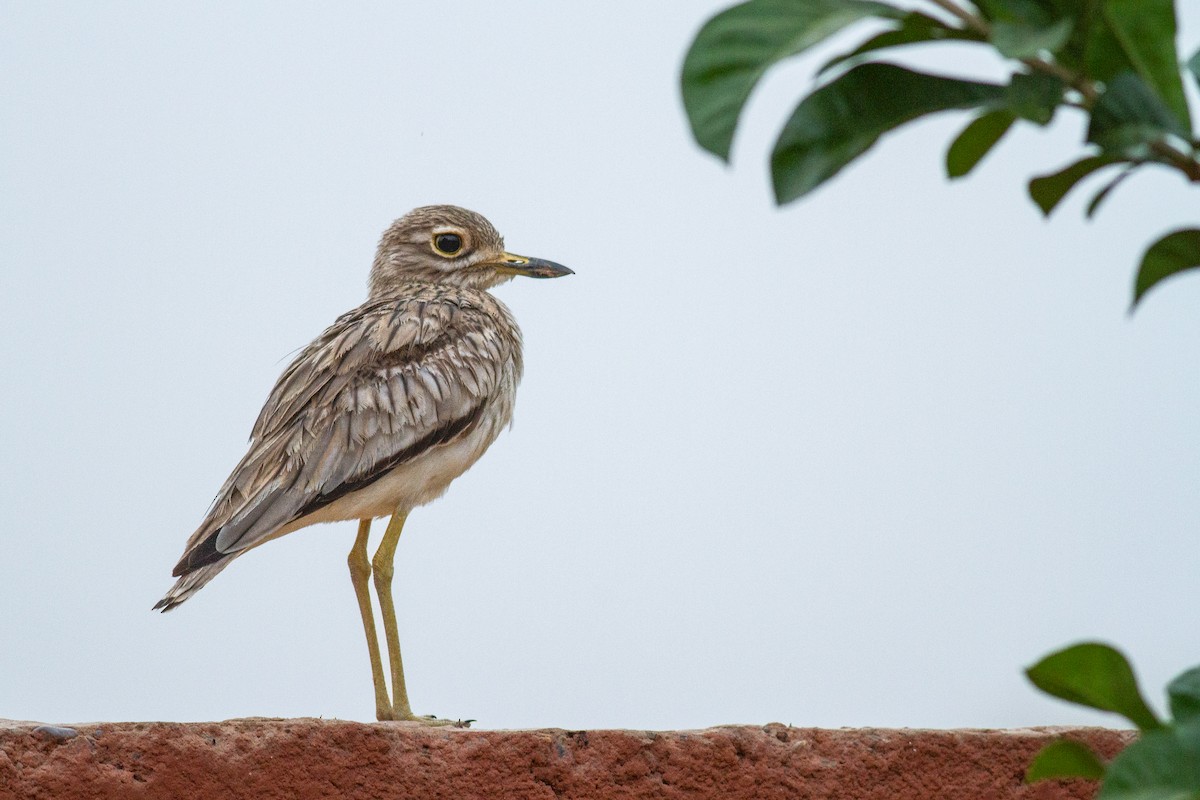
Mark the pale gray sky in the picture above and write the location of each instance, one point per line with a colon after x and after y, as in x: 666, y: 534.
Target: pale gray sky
x: 856, y: 461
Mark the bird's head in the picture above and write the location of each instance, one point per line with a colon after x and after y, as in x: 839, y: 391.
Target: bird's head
x: 449, y: 245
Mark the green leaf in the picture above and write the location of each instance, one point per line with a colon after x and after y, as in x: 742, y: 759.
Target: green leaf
x: 1103, y: 193
x: 1065, y: 759
x: 736, y: 47
x: 1174, y: 253
x: 1100, y: 54
x: 1048, y: 190
x: 1033, y: 13
x: 1193, y: 66
x: 1129, y: 116
x: 841, y: 120
x: 1091, y: 50
x: 1184, y: 693
x: 1035, y: 96
x: 976, y: 140
x: 1162, y: 765
x: 915, y: 28
x: 1019, y: 40
x: 1096, y: 675
x: 1145, y: 30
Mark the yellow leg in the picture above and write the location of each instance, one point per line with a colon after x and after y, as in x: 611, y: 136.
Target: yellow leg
x: 360, y: 573
x: 382, y: 569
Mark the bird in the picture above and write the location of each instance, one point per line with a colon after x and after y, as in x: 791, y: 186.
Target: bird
x: 378, y: 415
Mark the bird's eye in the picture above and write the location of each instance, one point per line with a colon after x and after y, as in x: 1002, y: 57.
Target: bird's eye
x: 448, y: 244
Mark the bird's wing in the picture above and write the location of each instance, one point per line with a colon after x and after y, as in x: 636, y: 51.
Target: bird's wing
x: 381, y: 385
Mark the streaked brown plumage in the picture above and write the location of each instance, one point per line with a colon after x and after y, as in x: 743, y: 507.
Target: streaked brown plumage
x: 380, y: 413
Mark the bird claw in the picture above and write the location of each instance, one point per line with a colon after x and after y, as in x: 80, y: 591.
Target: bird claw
x: 450, y: 723
x: 434, y: 722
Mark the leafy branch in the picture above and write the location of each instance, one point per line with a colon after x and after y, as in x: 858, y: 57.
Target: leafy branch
x: 982, y: 27
x: 1164, y: 764
x: 1112, y: 60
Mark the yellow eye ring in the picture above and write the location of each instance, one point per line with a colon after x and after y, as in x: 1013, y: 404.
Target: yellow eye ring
x: 447, y: 244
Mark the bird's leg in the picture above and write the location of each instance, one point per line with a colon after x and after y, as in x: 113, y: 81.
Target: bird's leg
x: 383, y: 570
x: 360, y: 573
x: 382, y: 567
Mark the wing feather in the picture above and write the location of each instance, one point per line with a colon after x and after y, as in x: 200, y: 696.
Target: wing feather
x: 382, y: 384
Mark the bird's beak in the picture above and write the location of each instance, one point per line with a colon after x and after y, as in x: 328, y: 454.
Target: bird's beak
x: 513, y: 264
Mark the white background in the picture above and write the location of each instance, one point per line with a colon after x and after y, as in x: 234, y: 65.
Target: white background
x: 856, y: 461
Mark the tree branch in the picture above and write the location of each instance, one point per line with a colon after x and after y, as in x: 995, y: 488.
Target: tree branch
x: 975, y: 23
x: 1181, y: 161
x: 980, y: 25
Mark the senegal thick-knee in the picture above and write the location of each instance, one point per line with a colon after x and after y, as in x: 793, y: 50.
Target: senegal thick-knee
x: 379, y: 414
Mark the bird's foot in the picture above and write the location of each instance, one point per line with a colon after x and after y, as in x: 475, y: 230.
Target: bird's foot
x: 433, y: 721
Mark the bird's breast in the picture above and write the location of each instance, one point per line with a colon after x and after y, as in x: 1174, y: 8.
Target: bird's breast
x: 427, y: 475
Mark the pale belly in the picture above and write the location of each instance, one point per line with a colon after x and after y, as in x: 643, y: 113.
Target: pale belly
x: 416, y: 482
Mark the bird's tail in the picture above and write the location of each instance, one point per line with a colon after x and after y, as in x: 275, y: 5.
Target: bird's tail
x: 191, y: 583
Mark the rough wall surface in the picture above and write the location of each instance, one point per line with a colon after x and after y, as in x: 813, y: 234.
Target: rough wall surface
x: 311, y: 758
